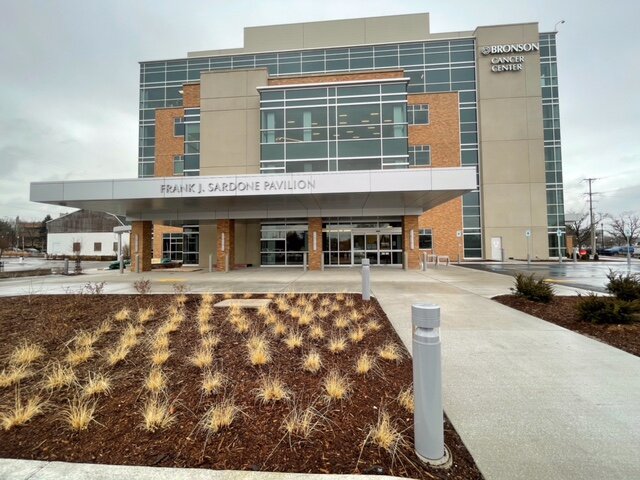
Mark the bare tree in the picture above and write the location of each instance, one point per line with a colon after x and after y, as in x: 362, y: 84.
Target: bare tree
x: 581, y: 228
x: 625, y: 228
x: 7, y: 235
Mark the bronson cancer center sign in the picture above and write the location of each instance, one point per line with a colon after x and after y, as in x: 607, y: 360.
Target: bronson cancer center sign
x: 506, y: 57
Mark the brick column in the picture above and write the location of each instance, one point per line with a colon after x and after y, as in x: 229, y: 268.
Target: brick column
x: 409, y: 223
x: 141, y: 245
x: 315, y: 255
x: 226, y: 228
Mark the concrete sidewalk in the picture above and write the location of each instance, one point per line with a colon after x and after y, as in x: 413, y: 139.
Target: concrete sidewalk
x: 529, y: 399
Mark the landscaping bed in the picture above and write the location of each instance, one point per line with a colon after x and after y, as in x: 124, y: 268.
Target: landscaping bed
x: 146, y: 348
x: 562, y: 311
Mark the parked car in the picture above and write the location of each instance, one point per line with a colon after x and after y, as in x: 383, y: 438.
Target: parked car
x: 618, y: 250
x: 115, y: 265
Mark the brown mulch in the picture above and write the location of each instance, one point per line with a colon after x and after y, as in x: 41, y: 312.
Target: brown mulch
x: 562, y: 311
x: 255, y: 441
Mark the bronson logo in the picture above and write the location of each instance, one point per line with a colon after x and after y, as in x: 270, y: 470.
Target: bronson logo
x: 510, y: 48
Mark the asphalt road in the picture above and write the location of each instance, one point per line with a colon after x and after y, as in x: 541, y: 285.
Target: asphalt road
x: 586, y: 275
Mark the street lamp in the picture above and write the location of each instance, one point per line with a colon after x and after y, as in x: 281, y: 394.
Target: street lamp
x: 555, y: 28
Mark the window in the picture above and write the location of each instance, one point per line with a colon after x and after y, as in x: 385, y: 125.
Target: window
x: 76, y: 247
x: 97, y: 246
x: 418, y: 114
x: 419, y: 156
x: 115, y: 247
x: 178, y: 165
x: 425, y: 238
x: 178, y: 127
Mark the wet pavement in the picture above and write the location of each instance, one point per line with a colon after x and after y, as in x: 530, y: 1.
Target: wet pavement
x: 586, y: 275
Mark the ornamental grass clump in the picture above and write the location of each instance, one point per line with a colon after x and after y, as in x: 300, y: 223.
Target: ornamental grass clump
x: 79, y: 413
x: 405, y: 399
x: 272, y: 389
x: 341, y: 322
x: 79, y: 355
x: 202, y: 357
x: 59, y: 376
x: 21, y: 412
x: 160, y: 357
x: 220, y: 415
x: 14, y: 375
x: 373, y: 326
x: 316, y: 332
x: 537, y: 290
x: 156, y: 414
x: 279, y: 329
x: 336, y: 386
x: 365, y: 363
x: 356, y: 335
x: 97, y: 384
x: 306, y: 318
x: 122, y: 315
x: 312, y: 362
x: 384, y: 434
x: 145, y: 315
x: 25, y: 354
x: 85, y: 339
x: 156, y: 380
x: 212, y: 382
x: 349, y: 302
x: 390, y: 351
x: 337, y: 344
x: 211, y: 340
x: 293, y: 340
x: 302, y: 422
x: 355, y: 316
x: 258, y: 350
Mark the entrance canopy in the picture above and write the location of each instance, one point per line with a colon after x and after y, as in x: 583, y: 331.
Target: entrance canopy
x: 326, y: 194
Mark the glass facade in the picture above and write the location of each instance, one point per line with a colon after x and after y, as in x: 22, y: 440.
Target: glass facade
x: 283, y: 243
x: 431, y: 66
x: 335, y: 128
x: 183, y: 247
x: 552, y: 145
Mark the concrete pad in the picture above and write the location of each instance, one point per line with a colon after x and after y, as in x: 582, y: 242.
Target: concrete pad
x: 244, y: 302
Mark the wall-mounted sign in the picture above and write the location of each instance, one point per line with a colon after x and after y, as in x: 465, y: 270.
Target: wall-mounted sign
x: 505, y: 61
x: 203, y: 187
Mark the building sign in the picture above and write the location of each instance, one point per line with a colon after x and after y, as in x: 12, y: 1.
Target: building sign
x: 213, y: 188
x: 506, y: 58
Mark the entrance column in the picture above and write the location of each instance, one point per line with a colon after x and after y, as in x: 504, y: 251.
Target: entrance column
x: 315, y: 245
x: 412, y: 249
x: 141, y: 245
x: 225, y: 243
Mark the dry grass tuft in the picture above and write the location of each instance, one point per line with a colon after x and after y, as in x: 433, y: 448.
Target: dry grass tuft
x: 356, y: 335
x: 312, y: 362
x: 290, y: 295
x: 160, y: 357
x: 325, y: 302
x: 335, y: 307
x: 258, y: 350
x: 355, y: 316
x: 349, y: 302
x: 341, y: 322
x: 281, y: 304
x: 104, y: 327
x: 210, y: 341
x: 59, y: 376
x: 336, y: 386
x: 270, y: 319
x: 264, y: 310
x: 316, y: 332
x: 323, y: 313
x: 79, y: 413
x: 373, y: 325
x: 337, y: 344
x: 122, y: 315
x: 279, y: 329
x: 204, y: 313
x: 156, y: 381
x: 247, y: 295
x: 212, y: 382
x: 295, y: 312
x: 384, y: 434
x: 390, y: 351
x: 302, y: 301
x: 240, y: 323
x: 306, y: 318
x: 293, y: 340
x: 220, y: 415
x: 86, y: 339
x: 180, y: 300
x: 156, y: 414
x: 202, y: 357
x: 340, y: 297
x: 272, y: 389
x: 25, y: 354
x: 79, y: 355
x: 129, y: 337
x: 21, y: 412
x: 204, y: 328
x: 405, y: 399
x: 227, y: 296
x: 14, y: 375
x: 207, y: 298
x: 302, y: 423
x: 117, y: 354
x: 270, y: 295
x: 96, y: 384
x: 145, y: 314
x: 160, y: 341
x: 365, y: 363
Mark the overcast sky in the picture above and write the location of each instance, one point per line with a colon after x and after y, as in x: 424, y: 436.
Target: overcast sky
x: 69, y: 80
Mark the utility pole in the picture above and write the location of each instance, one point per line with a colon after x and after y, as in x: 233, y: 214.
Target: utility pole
x: 592, y: 226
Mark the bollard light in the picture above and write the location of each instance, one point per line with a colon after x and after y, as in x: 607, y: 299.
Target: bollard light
x: 427, y: 385
x: 366, y: 280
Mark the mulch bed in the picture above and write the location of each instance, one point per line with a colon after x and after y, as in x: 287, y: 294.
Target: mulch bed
x: 255, y: 440
x: 562, y: 311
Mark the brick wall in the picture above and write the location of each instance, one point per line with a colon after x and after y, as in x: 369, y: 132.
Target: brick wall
x: 228, y: 228
x: 142, y: 231
x: 410, y: 222
x: 444, y: 221
x: 315, y: 256
x: 191, y: 95
x: 167, y: 145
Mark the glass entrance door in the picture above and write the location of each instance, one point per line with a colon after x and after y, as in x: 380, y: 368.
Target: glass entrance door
x: 380, y: 248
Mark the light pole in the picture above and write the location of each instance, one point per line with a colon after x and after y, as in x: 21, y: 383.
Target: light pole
x: 555, y: 28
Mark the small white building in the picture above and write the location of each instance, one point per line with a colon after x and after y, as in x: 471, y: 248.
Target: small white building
x: 87, y: 233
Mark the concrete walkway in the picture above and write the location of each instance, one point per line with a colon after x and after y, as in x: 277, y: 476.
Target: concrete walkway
x: 529, y: 399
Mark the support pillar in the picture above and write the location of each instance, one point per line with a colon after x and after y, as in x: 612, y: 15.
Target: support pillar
x: 411, y: 241
x: 314, y: 241
x: 141, y: 245
x: 225, y: 244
